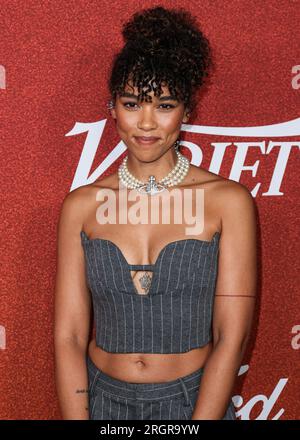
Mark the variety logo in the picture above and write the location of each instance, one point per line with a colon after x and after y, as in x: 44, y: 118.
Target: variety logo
x: 283, y: 149
x: 267, y: 403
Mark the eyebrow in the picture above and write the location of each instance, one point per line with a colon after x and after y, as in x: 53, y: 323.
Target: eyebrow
x: 162, y: 98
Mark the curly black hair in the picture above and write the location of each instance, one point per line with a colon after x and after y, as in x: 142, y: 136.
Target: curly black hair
x: 162, y: 47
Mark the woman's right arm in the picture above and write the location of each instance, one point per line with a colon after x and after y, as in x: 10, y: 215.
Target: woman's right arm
x: 72, y: 316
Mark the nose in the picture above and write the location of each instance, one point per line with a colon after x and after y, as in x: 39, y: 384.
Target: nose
x: 147, y: 120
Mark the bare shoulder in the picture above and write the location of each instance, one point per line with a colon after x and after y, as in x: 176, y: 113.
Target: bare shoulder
x: 230, y: 199
x: 77, y: 200
x: 71, y: 214
x: 76, y: 206
x: 236, y: 208
x: 84, y: 196
x: 201, y: 177
x: 233, y: 195
x: 224, y: 190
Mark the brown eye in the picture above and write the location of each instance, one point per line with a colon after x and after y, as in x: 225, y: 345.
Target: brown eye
x: 129, y: 103
x: 168, y: 105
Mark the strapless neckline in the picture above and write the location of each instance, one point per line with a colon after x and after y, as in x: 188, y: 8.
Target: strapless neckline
x: 180, y: 241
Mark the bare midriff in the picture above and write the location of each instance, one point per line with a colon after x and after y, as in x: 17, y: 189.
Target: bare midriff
x: 148, y: 367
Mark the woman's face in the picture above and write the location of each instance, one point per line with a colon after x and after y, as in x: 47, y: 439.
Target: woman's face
x: 160, y: 118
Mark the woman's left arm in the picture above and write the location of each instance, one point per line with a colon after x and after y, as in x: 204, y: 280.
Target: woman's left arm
x: 234, y: 301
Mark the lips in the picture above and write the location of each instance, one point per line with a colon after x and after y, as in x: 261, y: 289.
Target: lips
x: 146, y: 139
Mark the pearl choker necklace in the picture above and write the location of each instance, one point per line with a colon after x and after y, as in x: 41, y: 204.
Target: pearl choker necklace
x: 152, y: 187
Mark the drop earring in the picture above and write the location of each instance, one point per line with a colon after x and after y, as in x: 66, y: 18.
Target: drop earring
x: 176, y: 145
x: 110, y: 105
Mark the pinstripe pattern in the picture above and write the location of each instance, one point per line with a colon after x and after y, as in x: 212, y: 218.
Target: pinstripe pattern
x: 174, y: 317
x: 113, y: 399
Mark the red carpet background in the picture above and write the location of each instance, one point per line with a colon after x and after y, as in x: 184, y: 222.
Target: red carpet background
x: 55, y: 133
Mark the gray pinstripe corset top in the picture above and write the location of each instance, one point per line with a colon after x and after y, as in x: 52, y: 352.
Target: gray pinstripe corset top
x: 175, y: 315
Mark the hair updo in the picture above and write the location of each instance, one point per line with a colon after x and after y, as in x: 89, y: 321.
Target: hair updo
x: 162, y: 47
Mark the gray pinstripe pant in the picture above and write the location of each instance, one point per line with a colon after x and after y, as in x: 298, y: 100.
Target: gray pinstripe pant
x: 113, y: 399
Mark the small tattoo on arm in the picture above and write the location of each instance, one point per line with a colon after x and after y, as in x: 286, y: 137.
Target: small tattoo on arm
x: 82, y: 391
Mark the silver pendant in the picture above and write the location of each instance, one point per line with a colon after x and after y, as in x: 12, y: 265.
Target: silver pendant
x: 145, y: 281
x: 151, y: 187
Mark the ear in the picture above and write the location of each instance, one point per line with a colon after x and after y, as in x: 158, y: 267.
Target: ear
x: 113, y: 113
x: 186, y: 116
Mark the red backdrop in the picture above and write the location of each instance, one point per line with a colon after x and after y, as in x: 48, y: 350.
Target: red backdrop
x: 56, y: 133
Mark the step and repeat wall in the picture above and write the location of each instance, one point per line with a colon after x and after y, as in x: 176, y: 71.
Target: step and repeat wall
x: 57, y: 134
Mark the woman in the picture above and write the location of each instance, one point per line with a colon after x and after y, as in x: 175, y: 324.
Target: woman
x: 173, y: 310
